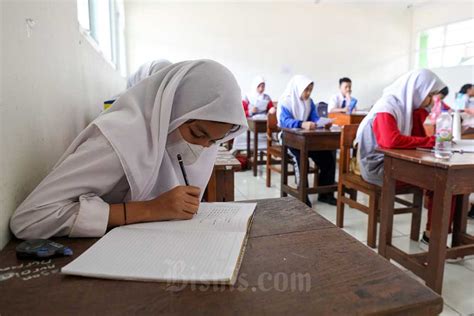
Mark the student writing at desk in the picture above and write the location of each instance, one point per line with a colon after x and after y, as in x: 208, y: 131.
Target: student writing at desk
x: 343, y: 101
x: 296, y: 109
x: 123, y: 169
x: 396, y: 121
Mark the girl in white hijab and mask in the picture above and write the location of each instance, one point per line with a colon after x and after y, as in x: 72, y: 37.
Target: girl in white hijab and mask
x: 123, y: 167
x: 296, y: 109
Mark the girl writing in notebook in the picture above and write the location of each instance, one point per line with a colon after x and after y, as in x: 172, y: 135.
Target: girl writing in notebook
x: 123, y: 167
x: 296, y: 109
x: 396, y: 121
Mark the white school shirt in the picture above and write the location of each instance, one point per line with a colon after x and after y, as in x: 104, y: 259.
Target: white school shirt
x: 73, y: 200
x: 336, y: 102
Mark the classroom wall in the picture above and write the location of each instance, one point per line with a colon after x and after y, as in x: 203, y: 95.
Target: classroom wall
x: 435, y: 14
x: 52, y: 86
x: 278, y: 40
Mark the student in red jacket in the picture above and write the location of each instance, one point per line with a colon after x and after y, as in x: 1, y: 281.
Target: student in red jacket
x: 396, y: 121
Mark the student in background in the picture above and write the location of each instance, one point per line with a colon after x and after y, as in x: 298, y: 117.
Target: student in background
x: 396, y: 121
x: 256, y: 101
x: 256, y: 104
x: 123, y: 169
x: 343, y: 101
x: 296, y: 109
x: 144, y: 71
x: 467, y: 91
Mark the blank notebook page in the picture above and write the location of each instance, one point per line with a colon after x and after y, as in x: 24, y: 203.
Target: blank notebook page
x: 206, y: 248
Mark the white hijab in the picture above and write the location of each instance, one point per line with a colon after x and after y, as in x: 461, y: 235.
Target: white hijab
x: 402, y: 97
x: 138, y: 124
x: 255, y: 98
x: 147, y: 70
x: 291, y: 98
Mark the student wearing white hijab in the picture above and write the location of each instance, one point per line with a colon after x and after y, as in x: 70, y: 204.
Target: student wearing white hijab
x: 256, y: 104
x: 395, y: 122
x: 256, y: 101
x: 144, y: 71
x: 122, y: 168
x: 296, y: 109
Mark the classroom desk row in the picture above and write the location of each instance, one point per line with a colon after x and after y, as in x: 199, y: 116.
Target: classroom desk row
x: 296, y: 262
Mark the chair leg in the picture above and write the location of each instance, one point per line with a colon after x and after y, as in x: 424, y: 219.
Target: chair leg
x: 416, y: 215
x: 340, y: 205
x: 269, y: 171
x: 372, y: 225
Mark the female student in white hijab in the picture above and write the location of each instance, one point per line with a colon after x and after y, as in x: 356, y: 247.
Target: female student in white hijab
x: 256, y: 104
x: 144, y: 71
x: 123, y: 167
x: 395, y: 122
x: 296, y: 109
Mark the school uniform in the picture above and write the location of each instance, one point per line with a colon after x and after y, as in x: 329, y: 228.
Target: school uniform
x: 263, y: 103
x: 339, y: 101
x: 396, y: 121
x: 125, y: 155
x: 291, y: 113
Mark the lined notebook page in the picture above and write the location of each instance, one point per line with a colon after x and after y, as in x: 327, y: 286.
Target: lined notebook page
x: 198, y: 250
x: 230, y: 217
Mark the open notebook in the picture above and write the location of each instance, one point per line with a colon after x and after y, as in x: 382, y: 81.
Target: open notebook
x: 205, y: 249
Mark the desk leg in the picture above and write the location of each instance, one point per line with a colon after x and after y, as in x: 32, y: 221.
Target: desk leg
x: 255, y: 152
x: 386, y: 211
x: 303, y: 187
x: 248, y: 149
x: 212, y: 185
x: 460, y: 218
x: 439, y: 232
x: 284, y: 170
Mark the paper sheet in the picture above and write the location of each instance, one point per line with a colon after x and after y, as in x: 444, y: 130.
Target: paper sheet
x: 203, y: 249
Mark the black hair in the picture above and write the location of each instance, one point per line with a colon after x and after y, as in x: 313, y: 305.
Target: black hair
x: 464, y: 88
x: 345, y: 79
x: 444, y: 91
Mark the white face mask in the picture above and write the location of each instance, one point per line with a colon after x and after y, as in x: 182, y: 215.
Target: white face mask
x: 176, y: 144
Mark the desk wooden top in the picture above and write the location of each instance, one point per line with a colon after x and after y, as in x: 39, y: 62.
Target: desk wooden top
x: 334, y: 130
x: 335, y: 274
x: 457, y: 161
x: 226, y: 161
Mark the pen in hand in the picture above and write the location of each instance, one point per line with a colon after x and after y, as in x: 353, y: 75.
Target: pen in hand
x: 183, y: 171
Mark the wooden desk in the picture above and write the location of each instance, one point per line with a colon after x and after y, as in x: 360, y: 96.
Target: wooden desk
x: 306, y: 141
x: 256, y: 126
x: 445, y: 178
x: 286, y: 239
x: 342, y: 119
x: 221, y: 184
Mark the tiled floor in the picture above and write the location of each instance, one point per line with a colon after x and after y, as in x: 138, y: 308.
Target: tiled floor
x: 458, y: 287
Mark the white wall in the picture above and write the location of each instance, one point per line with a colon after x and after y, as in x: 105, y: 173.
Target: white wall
x: 367, y: 42
x: 52, y: 85
x: 435, y: 14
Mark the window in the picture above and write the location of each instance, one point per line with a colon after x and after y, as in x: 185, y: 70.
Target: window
x: 446, y: 46
x: 103, y: 22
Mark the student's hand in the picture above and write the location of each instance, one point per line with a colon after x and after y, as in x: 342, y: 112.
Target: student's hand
x: 272, y: 111
x: 328, y: 125
x: 181, y: 202
x: 308, y: 125
x: 254, y: 109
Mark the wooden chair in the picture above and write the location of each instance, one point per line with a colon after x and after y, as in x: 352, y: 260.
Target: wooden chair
x: 274, y: 150
x: 350, y: 182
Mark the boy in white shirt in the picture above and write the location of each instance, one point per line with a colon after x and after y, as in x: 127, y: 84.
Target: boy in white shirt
x: 343, y: 101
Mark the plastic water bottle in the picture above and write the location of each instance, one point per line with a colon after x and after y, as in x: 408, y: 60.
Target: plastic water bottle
x: 444, y: 136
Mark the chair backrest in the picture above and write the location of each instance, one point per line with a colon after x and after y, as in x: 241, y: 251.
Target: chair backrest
x: 348, y: 134
x: 272, y: 127
x: 322, y: 109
